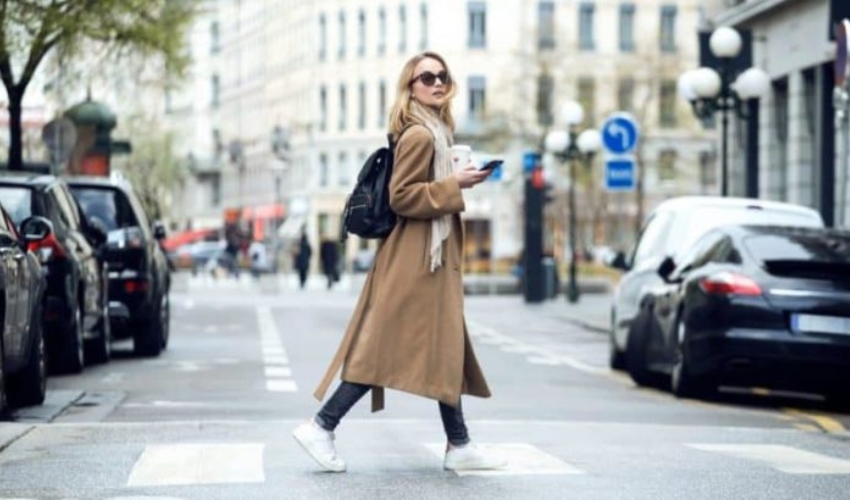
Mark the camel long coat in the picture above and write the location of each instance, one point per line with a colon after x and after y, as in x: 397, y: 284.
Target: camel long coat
x: 408, y: 331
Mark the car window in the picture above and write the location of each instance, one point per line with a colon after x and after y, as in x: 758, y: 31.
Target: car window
x: 108, y: 205
x: 7, y: 225
x: 56, y: 212
x: 700, y: 253
x: 18, y: 202
x: 66, y: 206
x: 820, y: 247
x: 653, y: 236
x: 688, y: 229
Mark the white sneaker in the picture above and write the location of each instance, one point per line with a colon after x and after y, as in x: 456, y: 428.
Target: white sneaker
x: 472, y: 457
x: 319, y: 444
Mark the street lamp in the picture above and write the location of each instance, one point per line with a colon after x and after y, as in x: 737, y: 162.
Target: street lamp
x: 720, y: 89
x: 569, y: 145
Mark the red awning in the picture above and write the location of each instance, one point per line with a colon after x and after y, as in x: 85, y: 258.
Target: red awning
x: 177, y: 240
x: 270, y: 211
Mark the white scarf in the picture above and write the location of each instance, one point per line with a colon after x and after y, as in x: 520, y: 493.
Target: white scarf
x: 440, y: 226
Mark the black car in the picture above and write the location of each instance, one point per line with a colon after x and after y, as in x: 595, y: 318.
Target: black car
x: 23, y: 369
x: 750, y: 305
x: 139, y: 273
x: 76, y: 312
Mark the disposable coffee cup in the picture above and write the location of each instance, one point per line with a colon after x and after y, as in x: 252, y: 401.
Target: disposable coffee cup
x: 460, y: 156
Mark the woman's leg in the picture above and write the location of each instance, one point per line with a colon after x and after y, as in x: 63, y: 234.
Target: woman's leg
x: 454, y: 424
x: 345, y: 396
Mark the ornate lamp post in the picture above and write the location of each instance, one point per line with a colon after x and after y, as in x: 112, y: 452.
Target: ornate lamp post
x: 570, y: 146
x: 720, y: 89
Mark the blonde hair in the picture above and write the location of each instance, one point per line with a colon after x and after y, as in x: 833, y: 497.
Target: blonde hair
x: 401, y: 114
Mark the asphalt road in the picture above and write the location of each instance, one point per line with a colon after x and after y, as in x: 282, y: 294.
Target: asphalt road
x: 211, y: 417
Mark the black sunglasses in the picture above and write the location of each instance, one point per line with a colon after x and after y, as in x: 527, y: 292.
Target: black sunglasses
x: 429, y: 79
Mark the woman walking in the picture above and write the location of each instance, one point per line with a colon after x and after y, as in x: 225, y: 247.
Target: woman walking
x: 408, y: 331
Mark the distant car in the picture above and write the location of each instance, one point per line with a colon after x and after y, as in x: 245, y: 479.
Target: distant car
x: 76, y: 306
x: 669, y: 231
x: 139, y: 272
x: 748, y: 305
x: 23, y: 366
x: 195, y: 256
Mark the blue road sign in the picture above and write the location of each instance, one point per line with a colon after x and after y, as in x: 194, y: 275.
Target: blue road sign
x: 620, y: 133
x: 530, y: 159
x: 620, y: 173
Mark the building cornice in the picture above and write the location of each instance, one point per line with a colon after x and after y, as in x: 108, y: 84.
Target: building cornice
x: 746, y: 12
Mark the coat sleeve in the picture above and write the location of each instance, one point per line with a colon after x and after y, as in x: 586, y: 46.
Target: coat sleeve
x: 412, y: 194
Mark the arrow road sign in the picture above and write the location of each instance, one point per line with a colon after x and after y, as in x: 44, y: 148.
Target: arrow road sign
x: 620, y: 173
x: 620, y: 133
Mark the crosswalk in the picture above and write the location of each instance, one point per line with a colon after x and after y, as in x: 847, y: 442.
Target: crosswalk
x: 204, y: 282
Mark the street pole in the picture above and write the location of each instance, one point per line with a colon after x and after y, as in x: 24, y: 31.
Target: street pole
x: 724, y: 161
x: 841, y: 99
x: 572, y: 287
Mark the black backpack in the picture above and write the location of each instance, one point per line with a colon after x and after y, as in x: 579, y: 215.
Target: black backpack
x: 367, y: 212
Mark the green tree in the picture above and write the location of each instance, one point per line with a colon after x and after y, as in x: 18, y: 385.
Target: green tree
x: 31, y: 29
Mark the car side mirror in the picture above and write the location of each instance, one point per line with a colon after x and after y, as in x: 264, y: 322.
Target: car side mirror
x: 35, y: 228
x: 159, y: 230
x: 97, y: 231
x: 619, y: 262
x: 666, y: 268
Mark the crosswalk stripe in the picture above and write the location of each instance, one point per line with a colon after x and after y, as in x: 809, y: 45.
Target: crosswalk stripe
x: 783, y: 458
x: 281, y: 385
x: 189, y: 464
x: 523, y: 459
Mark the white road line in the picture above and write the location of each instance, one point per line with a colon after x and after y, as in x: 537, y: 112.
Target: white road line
x: 190, y: 464
x: 782, y: 458
x: 523, y: 459
x: 277, y: 372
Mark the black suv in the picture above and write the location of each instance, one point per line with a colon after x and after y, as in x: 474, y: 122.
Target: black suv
x: 139, y: 274
x: 75, y: 309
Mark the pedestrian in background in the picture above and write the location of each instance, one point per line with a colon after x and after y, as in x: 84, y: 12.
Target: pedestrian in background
x: 408, y: 331
x: 330, y: 260
x: 302, y: 259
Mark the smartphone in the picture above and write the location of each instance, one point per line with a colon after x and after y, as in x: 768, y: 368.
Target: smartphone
x: 490, y: 165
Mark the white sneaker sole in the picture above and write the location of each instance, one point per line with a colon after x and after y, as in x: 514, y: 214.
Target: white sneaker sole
x: 328, y: 467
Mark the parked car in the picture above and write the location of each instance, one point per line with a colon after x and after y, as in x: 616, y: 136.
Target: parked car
x: 669, y: 231
x: 195, y: 256
x: 76, y: 305
x: 766, y: 305
x: 23, y: 368
x: 139, y: 272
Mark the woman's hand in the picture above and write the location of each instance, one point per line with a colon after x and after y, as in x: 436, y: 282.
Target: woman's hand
x: 470, y: 176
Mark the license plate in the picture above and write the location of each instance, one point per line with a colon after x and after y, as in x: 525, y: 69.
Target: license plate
x: 820, y: 324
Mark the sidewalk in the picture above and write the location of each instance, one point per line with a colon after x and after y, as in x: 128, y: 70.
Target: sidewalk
x: 592, y: 311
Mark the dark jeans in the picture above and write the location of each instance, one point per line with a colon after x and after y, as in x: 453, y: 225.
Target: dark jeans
x: 348, y: 393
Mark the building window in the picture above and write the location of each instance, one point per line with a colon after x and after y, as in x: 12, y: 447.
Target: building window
x: 585, y: 26
x: 667, y: 165
x: 668, y: 28
x: 361, y: 106
x: 324, y: 172
x: 323, y: 109
x: 587, y: 99
x: 342, y: 174
x: 477, y: 13
x: 402, y: 28
x: 546, y: 25
x: 215, y: 89
x: 382, y: 104
x: 626, y: 94
x: 342, y: 37
x: 667, y: 104
x: 627, y: 27
x: 218, y: 143
x: 215, y: 38
x: 545, y: 92
x: 382, y: 31
x: 323, y: 37
x: 361, y: 33
x: 343, y: 107
x: 423, y: 22
x: 779, y: 148
x: 215, y: 190
x: 477, y: 95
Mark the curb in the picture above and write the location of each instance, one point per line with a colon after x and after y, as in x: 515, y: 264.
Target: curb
x: 11, y: 432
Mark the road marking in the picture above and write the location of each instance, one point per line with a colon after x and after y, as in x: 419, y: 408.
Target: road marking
x: 277, y: 372
x: 189, y: 464
x: 825, y: 423
x: 113, y: 378
x: 523, y: 459
x: 782, y: 458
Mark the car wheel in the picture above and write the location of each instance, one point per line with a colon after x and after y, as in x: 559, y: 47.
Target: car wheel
x: 149, y: 335
x: 29, y: 387
x: 99, y: 349
x: 72, y: 358
x: 635, y: 357
x: 683, y: 383
x: 616, y: 357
